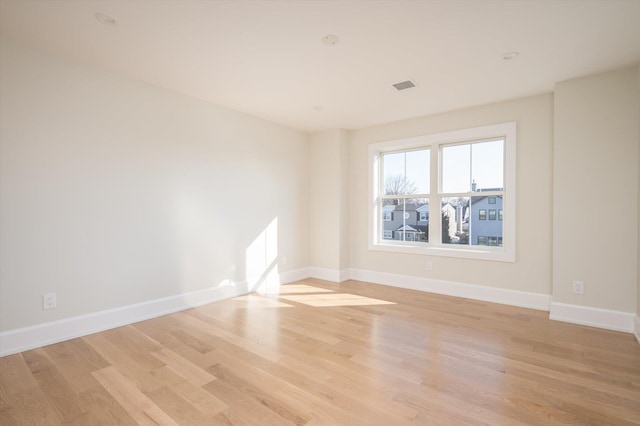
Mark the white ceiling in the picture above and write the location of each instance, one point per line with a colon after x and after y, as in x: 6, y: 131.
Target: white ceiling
x: 266, y: 58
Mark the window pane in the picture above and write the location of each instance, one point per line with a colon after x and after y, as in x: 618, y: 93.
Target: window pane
x: 456, y: 168
x: 406, y: 172
x: 417, y: 172
x: 389, y: 216
x: 393, y: 173
x: 487, y: 165
x: 454, y: 220
x: 482, y: 231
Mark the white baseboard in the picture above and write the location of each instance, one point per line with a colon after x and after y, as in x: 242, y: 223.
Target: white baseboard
x: 593, y: 317
x: 22, y: 339
x: 18, y: 340
x: 450, y: 288
x: 294, y: 275
x: 326, y: 274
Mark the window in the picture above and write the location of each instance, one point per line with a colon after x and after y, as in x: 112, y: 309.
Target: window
x: 404, y: 186
x: 467, y: 176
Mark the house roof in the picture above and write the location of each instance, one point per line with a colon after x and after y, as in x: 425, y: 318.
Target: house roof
x: 271, y: 59
x: 407, y: 207
x: 407, y: 228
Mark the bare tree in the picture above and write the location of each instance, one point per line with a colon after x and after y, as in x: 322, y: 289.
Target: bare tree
x: 398, y: 184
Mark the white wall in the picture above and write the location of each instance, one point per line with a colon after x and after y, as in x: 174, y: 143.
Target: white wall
x: 532, y: 270
x: 596, y: 190
x: 328, y: 207
x: 115, y: 192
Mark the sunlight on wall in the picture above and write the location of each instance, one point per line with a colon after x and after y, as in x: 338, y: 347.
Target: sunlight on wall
x: 261, y: 259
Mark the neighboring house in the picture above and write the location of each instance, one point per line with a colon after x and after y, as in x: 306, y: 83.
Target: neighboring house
x: 411, y: 223
x: 486, y: 221
x: 404, y: 223
x: 450, y: 211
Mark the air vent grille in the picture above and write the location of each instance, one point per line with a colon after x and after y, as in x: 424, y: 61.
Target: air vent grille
x: 403, y: 85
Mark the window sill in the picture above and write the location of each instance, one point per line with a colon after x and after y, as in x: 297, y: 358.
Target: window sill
x: 497, y: 254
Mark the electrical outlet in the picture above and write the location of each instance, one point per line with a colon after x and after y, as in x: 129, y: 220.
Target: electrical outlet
x: 578, y: 287
x: 429, y: 265
x: 48, y: 301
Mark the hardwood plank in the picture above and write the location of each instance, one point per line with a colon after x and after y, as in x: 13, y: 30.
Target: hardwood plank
x: 142, y: 409
x: 183, y: 367
x: 275, y: 359
x: 54, y: 385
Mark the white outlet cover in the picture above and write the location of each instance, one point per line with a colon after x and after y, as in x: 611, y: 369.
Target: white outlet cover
x: 49, y: 301
x: 578, y: 287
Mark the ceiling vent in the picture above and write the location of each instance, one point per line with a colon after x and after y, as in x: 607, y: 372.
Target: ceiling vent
x: 403, y: 85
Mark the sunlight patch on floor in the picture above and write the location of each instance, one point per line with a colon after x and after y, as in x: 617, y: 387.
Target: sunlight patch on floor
x: 257, y: 301
x: 296, y: 289
x: 337, y: 299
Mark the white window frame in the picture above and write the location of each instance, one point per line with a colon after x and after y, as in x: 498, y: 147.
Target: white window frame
x: 435, y: 142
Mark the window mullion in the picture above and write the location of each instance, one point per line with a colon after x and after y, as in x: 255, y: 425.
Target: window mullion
x: 434, y: 198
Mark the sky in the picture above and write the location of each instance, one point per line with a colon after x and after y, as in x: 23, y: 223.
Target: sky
x: 461, y: 165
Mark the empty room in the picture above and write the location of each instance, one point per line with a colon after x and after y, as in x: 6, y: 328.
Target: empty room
x: 306, y: 212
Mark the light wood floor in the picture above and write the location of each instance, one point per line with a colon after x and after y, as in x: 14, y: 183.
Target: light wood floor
x: 321, y: 353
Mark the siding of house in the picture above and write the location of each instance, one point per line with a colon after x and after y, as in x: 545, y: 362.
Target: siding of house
x: 487, y: 227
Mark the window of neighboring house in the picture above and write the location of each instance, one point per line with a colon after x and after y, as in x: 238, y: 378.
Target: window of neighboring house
x: 456, y: 171
x: 387, y: 234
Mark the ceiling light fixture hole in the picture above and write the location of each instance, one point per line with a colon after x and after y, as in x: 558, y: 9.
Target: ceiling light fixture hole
x: 330, y: 40
x: 105, y: 19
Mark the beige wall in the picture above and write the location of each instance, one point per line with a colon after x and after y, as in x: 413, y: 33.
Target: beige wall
x: 328, y: 205
x: 532, y: 270
x: 638, y: 260
x: 115, y: 192
x: 596, y: 190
